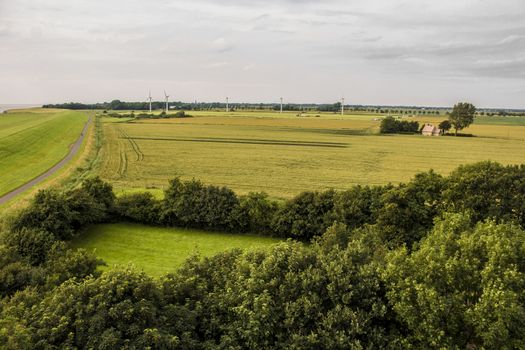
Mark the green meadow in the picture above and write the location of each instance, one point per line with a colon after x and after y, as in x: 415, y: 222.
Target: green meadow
x: 159, y: 250
x: 32, y: 141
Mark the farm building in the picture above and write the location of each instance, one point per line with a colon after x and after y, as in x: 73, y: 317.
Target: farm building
x: 431, y: 130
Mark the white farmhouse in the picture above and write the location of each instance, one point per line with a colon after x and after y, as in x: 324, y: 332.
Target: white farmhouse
x: 431, y: 130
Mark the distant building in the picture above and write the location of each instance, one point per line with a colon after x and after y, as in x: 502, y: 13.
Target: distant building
x: 431, y: 130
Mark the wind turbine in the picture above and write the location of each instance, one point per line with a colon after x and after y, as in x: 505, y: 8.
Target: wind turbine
x: 166, y: 97
x: 227, y: 105
x: 343, y: 106
x: 149, y: 98
x: 281, y: 104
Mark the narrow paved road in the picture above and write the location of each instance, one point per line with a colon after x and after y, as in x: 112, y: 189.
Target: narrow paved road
x: 72, y: 152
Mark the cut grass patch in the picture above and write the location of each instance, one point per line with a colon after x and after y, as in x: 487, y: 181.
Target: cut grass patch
x: 159, y: 250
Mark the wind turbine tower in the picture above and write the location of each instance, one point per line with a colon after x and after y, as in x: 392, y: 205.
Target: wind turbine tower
x: 281, y: 104
x: 166, y: 96
x: 149, y: 98
x: 227, y: 104
x: 343, y: 106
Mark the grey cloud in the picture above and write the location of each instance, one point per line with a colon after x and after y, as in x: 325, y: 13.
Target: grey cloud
x: 513, y: 69
x: 302, y: 49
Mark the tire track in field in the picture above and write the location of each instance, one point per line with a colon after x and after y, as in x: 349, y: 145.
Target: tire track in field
x: 133, y: 143
x: 123, y: 164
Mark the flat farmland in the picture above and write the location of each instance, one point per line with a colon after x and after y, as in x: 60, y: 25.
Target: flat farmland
x: 32, y: 141
x: 285, y: 154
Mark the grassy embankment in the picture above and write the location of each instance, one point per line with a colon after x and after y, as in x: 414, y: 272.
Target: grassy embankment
x: 32, y: 141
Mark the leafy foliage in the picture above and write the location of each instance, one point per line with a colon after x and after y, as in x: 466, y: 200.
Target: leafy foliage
x: 487, y: 190
x: 445, y: 126
x: 138, y: 207
x: 391, y: 125
x: 463, y: 288
x: 192, y: 204
x: 462, y: 116
x: 305, y: 216
x: 387, y: 267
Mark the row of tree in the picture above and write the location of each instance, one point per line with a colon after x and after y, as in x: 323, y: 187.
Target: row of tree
x: 333, y: 107
x: 461, y: 117
x: 161, y: 115
x: 403, y: 213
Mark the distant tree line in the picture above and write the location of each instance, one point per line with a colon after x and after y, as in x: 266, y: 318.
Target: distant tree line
x: 325, y: 107
x: 161, y: 115
x: 438, y: 262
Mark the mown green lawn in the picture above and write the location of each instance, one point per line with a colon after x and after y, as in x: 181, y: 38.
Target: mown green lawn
x: 159, y: 250
x: 32, y: 141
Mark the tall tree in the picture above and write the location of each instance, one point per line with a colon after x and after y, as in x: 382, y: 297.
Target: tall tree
x: 462, y: 116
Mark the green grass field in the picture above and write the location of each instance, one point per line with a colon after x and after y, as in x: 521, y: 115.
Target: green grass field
x: 283, y: 154
x: 32, y: 141
x: 160, y: 250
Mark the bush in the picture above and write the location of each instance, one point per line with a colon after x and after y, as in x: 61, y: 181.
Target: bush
x: 32, y: 244
x: 305, y: 216
x: 118, y: 310
x: 192, y: 204
x: 359, y: 205
x: 487, y: 190
x: 100, y: 191
x: 463, y: 288
x: 139, y: 207
x: 255, y: 213
x: 407, y: 212
x: 49, y: 211
x: 390, y: 125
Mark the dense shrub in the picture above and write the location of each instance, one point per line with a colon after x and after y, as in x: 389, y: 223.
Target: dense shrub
x: 15, y: 275
x: 33, y: 245
x: 192, y: 204
x: 117, y: 310
x: 138, y: 207
x: 487, y: 190
x: 49, y: 211
x: 60, y: 264
x: 463, y: 288
x: 62, y: 214
x: 359, y: 205
x: 403, y: 213
x: 255, y: 213
x: 100, y: 191
x: 305, y: 216
x: 407, y: 212
x: 390, y: 125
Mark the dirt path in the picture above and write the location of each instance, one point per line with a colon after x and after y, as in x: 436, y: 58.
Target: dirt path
x: 72, y: 152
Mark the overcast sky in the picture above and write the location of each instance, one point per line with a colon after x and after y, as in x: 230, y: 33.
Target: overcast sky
x: 412, y: 52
